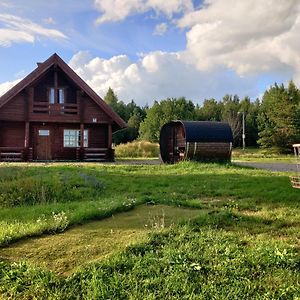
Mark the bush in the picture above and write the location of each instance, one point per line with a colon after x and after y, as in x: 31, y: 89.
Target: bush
x: 137, y: 149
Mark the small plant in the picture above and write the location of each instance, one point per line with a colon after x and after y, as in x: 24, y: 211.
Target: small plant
x: 59, y: 221
x: 157, y: 222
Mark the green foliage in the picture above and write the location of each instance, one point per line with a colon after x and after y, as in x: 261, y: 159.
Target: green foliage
x: 138, y: 149
x: 279, y: 118
x: 163, y: 112
x: 130, y: 113
x: 211, y: 110
x: 230, y: 110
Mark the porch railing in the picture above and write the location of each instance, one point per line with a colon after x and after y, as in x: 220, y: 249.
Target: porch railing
x: 55, y: 109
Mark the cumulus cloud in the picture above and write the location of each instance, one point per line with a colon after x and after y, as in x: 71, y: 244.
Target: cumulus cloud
x: 249, y: 37
x: 5, y: 86
x: 160, y: 29
x: 118, y: 10
x: 155, y: 76
x: 16, y: 30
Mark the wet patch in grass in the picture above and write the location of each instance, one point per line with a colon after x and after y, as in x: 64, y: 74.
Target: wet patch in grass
x: 94, y: 241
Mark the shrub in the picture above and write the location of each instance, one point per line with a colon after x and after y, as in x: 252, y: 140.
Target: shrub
x: 137, y: 149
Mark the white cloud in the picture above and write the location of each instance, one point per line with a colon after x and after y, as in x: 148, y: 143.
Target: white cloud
x: 5, y: 86
x: 160, y: 29
x: 249, y: 37
x: 118, y: 10
x: 16, y: 30
x: 155, y: 76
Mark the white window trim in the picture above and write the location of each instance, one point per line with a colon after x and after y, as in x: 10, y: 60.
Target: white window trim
x: 71, y: 138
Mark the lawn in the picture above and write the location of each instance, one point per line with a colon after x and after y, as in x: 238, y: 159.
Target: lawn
x: 241, y: 242
x: 261, y: 155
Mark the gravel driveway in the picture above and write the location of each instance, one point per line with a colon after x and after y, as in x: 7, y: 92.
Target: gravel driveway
x: 281, y: 167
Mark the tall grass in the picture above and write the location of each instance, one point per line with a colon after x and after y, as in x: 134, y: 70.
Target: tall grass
x: 137, y: 149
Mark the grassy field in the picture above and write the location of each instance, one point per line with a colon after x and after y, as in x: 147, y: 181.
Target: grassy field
x: 242, y: 242
x: 261, y: 155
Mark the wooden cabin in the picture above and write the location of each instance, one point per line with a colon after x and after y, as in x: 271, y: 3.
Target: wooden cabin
x: 52, y: 114
x: 195, y: 140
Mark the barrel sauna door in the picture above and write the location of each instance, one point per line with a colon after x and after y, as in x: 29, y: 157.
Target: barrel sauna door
x: 43, y: 144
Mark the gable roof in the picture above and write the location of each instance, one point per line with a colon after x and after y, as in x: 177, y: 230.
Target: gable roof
x: 43, y: 68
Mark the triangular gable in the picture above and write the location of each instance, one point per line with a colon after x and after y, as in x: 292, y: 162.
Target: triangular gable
x: 42, y: 69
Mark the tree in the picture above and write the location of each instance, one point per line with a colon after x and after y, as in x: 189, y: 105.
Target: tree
x: 211, y: 110
x: 163, y: 112
x: 279, y: 118
x: 130, y: 113
x: 231, y: 115
x: 111, y: 99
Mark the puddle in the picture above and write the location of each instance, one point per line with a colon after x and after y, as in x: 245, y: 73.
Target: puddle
x: 94, y: 241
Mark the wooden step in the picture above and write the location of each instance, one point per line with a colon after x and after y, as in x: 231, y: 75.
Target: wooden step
x: 94, y: 159
x: 11, y: 159
x: 94, y: 154
x: 10, y: 154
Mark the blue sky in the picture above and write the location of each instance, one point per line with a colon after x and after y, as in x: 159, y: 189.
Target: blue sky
x: 148, y: 50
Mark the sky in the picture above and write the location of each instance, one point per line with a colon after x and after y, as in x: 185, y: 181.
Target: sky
x: 148, y: 50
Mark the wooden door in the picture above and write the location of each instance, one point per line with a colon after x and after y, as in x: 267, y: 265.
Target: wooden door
x: 43, y: 144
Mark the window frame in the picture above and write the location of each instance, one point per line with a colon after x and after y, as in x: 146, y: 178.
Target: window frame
x: 73, y: 135
x: 61, y: 95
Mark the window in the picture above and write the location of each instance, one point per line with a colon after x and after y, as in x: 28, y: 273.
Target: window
x: 60, y: 95
x: 44, y: 132
x: 72, y: 138
x: 51, y: 95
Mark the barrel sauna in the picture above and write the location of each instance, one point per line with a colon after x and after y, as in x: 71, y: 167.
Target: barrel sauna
x: 195, y: 140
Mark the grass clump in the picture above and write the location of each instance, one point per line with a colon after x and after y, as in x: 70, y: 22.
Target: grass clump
x: 137, y: 149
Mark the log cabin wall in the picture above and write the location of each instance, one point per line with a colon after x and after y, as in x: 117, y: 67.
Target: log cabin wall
x: 98, y: 135
x: 91, y: 114
x: 12, y: 134
x: 14, y: 110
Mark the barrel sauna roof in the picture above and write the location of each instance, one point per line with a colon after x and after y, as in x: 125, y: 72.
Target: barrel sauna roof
x: 206, y: 131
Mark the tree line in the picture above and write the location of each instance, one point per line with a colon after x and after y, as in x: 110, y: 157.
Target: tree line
x: 272, y: 122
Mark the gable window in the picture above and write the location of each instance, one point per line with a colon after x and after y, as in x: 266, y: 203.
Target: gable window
x: 72, y: 138
x: 51, y: 95
x: 60, y: 93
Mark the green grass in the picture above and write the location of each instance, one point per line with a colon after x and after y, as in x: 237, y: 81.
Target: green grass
x: 243, y: 244
x: 96, y: 240
x: 261, y: 155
